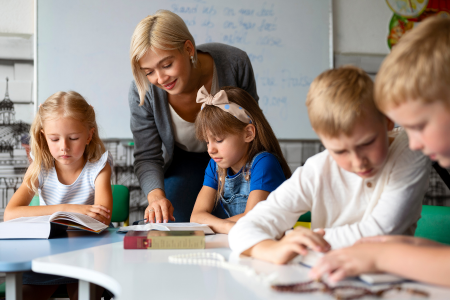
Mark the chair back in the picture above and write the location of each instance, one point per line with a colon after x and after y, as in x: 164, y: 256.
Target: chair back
x: 121, y: 203
x: 434, y: 224
x: 306, y: 217
x: 35, y: 201
x: 304, y: 220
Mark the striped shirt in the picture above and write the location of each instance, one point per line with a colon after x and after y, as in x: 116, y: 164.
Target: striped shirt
x: 82, y: 191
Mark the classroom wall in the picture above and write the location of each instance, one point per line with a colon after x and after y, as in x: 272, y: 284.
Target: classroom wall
x: 361, y: 26
x: 16, y: 63
x: 16, y: 17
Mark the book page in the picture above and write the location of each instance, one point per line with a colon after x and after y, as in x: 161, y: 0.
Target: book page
x: 39, y: 219
x: 68, y: 218
x: 26, y: 228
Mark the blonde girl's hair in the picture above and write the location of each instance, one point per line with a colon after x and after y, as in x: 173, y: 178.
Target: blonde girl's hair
x: 164, y: 30
x: 217, y: 122
x: 60, y: 105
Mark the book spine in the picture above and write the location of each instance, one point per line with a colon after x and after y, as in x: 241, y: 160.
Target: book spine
x: 165, y: 242
x: 135, y: 242
x: 177, y: 242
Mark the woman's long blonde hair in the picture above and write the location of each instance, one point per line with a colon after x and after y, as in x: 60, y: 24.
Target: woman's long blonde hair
x: 217, y: 122
x: 60, y: 105
x: 164, y: 30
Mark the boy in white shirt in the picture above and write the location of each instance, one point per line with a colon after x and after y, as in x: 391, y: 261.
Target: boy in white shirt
x: 412, y: 88
x: 366, y: 183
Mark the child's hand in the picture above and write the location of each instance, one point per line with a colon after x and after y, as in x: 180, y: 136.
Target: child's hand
x: 297, y: 242
x: 399, y: 239
x: 345, y: 262
x: 294, y: 243
x: 98, y: 212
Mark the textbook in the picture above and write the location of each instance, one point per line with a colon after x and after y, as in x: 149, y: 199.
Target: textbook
x: 164, y: 240
x: 180, y: 226
x: 44, y: 227
x: 310, y: 259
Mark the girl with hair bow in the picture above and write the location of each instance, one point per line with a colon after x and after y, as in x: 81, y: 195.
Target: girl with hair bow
x: 246, y: 160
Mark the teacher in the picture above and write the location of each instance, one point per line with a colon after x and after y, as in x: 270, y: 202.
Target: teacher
x: 168, y: 70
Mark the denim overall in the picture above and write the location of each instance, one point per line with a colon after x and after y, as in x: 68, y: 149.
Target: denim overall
x: 235, y: 194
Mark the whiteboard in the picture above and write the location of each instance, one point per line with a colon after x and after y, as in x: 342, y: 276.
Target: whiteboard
x: 84, y: 45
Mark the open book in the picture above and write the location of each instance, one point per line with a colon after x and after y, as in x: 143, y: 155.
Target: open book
x: 169, y: 227
x: 44, y: 227
x: 310, y: 259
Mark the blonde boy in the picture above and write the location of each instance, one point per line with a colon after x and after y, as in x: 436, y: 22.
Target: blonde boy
x: 366, y: 183
x: 413, y: 89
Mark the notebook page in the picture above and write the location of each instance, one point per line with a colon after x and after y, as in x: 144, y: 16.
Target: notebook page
x: 372, y: 278
x: 146, y: 227
x: 189, y: 226
x: 169, y: 227
x: 310, y: 259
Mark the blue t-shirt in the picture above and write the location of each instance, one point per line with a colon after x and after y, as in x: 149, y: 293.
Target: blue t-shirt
x: 265, y: 174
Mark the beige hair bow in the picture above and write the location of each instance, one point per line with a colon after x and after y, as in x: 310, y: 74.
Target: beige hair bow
x: 220, y: 100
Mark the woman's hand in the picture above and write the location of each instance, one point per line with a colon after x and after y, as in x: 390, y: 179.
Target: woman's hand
x: 294, y: 243
x: 399, y: 239
x: 97, y: 211
x: 159, y: 208
x: 350, y: 261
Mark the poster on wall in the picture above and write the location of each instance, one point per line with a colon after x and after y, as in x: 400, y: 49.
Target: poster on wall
x: 409, y: 13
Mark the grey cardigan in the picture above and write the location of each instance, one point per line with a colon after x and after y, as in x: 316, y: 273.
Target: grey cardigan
x: 151, y: 123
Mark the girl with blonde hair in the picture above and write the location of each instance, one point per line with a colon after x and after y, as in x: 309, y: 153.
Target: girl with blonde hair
x: 168, y: 70
x: 71, y: 171
x: 246, y: 160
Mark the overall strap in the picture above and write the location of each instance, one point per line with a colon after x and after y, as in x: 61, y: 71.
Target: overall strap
x: 249, y: 166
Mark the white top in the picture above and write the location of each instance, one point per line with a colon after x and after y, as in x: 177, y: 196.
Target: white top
x: 82, y: 191
x: 184, y: 131
x: 347, y: 206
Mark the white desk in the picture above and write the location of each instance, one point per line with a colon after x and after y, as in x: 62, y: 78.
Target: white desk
x: 147, y: 274
x: 16, y: 254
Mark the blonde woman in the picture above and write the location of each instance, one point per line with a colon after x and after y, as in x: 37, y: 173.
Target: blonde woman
x: 168, y: 70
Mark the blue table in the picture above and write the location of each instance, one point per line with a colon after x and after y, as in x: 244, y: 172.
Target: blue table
x: 16, y: 254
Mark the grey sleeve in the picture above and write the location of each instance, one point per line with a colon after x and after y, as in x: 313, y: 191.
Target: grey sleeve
x: 247, y: 77
x: 148, y: 155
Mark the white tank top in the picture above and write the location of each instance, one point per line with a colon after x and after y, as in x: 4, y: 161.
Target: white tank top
x: 184, y: 131
x: 82, y: 191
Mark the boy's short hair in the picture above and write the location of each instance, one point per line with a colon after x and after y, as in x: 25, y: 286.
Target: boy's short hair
x: 418, y: 68
x: 338, y: 98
